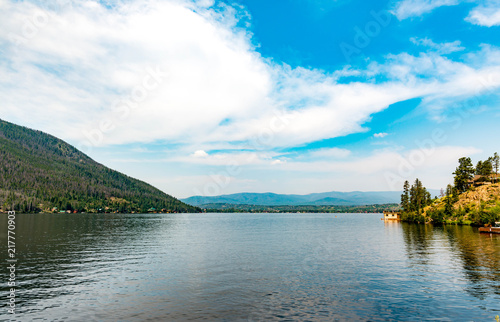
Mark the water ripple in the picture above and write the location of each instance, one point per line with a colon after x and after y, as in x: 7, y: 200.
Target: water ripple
x: 252, y: 267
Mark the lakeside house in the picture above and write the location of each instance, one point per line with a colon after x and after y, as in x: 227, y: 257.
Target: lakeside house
x: 392, y: 215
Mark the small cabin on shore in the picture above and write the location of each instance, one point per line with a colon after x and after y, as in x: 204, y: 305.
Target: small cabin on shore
x: 392, y: 215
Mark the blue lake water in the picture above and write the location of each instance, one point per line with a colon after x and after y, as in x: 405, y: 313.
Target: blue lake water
x: 249, y: 267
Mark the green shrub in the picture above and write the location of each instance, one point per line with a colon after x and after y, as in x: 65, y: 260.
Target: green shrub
x: 460, y: 213
x: 436, y: 215
x: 490, y: 215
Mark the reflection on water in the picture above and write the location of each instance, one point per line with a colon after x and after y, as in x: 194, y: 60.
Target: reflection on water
x: 250, y: 267
x: 477, y: 255
x: 60, y: 256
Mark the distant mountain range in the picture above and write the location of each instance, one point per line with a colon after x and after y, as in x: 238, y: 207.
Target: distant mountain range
x: 355, y: 198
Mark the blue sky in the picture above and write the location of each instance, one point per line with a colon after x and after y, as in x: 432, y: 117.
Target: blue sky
x: 214, y: 97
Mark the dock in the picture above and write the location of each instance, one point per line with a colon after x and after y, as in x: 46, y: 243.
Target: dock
x: 489, y: 230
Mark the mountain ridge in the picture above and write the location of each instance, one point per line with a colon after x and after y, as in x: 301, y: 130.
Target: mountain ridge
x: 41, y: 173
x: 352, y: 198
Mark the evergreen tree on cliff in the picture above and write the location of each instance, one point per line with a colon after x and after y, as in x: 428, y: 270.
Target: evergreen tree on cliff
x: 463, y: 173
x: 495, y: 162
x: 484, y: 168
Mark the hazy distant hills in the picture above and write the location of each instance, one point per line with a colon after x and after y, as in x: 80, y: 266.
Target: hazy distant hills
x: 355, y: 198
x: 39, y: 172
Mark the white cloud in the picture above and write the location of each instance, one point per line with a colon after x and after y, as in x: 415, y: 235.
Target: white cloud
x: 443, y: 83
x: 444, y: 48
x: 380, y: 135
x: 85, y: 58
x: 200, y: 154
x: 488, y: 16
x: 192, y: 78
x: 413, y: 8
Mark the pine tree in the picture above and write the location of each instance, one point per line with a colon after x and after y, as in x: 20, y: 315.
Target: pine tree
x: 405, y: 197
x: 463, y: 173
x: 479, y: 167
x: 417, y: 199
x: 416, y: 196
x: 484, y: 168
x: 495, y: 162
x: 428, y: 197
x: 448, y: 206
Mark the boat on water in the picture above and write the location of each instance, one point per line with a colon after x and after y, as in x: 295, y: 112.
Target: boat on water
x: 491, y: 230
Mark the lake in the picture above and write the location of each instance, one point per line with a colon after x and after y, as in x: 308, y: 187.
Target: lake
x: 249, y: 267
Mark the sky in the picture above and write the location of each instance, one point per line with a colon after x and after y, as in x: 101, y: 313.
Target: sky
x: 216, y: 97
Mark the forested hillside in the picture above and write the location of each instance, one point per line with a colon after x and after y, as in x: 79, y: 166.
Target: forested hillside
x: 39, y: 172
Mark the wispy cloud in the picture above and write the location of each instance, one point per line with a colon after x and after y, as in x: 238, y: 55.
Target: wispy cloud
x: 380, y: 135
x: 488, y: 15
x: 443, y: 48
x: 413, y: 8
